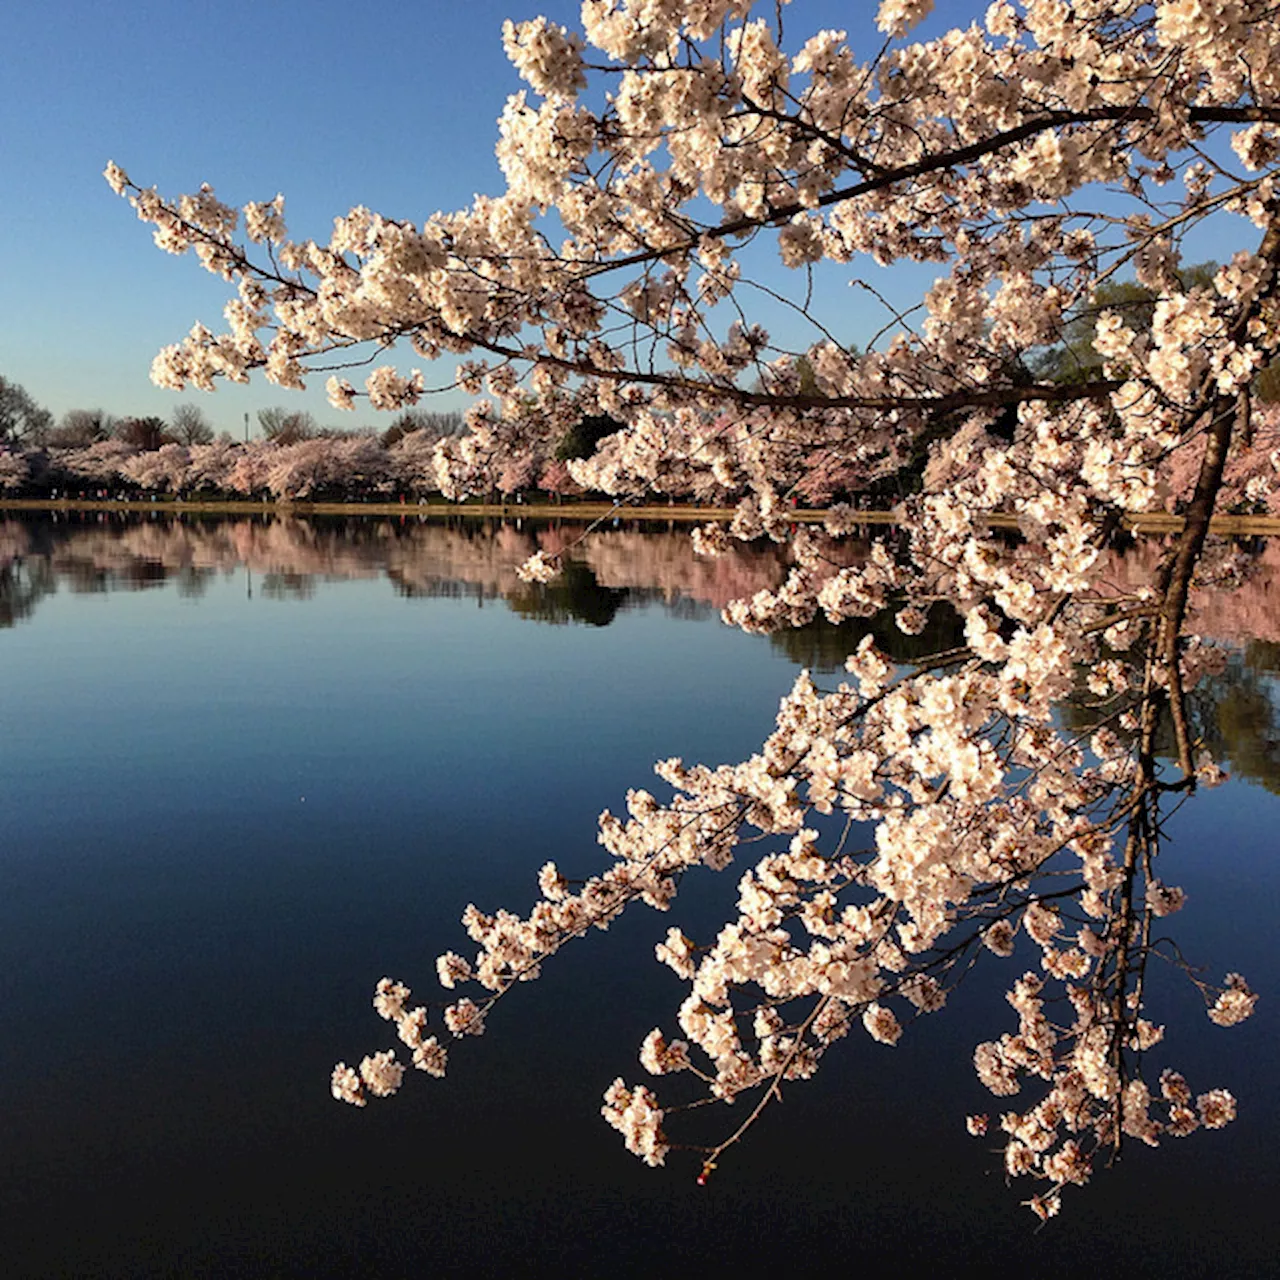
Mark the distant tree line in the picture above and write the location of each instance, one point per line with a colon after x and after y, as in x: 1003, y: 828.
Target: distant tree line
x: 91, y: 452
x: 26, y: 424
x: 295, y: 457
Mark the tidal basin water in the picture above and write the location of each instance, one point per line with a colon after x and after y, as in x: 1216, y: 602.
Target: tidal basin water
x: 248, y: 768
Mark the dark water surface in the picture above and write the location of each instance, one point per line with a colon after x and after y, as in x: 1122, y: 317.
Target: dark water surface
x: 248, y: 770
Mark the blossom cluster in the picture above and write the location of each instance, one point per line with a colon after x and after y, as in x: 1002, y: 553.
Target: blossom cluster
x: 910, y: 819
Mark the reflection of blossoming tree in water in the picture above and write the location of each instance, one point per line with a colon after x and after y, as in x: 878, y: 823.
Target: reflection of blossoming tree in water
x: 23, y: 584
x: 1236, y: 713
x: 984, y: 151
x: 574, y: 596
x: 823, y: 646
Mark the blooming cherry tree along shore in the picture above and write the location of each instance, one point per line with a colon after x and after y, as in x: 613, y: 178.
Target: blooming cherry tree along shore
x: 912, y: 819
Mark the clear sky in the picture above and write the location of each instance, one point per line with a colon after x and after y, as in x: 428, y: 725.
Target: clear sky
x: 332, y: 104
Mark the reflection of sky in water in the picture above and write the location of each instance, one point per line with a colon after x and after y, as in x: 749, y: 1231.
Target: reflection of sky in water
x: 225, y: 818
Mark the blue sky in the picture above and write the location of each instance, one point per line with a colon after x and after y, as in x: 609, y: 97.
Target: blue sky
x: 331, y: 107
x: 393, y: 108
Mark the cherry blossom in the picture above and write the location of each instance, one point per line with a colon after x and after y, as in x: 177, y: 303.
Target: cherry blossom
x: 892, y: 827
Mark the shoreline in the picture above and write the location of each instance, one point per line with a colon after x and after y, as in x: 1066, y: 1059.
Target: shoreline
x: 574, y: 512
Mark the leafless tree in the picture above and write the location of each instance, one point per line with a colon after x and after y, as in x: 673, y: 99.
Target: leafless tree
x: 81, y: 427
x: 21, y: 419
x: 188, y: 425
x: 285, y: 427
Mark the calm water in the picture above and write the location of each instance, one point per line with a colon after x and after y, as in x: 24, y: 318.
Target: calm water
x: 248, y: 769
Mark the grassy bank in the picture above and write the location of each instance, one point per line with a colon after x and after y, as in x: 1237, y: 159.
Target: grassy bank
x: 577, y: 512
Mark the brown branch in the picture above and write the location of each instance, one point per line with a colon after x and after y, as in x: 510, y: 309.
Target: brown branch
x: 987, y: 397
x: 1226, y: 415
x: 937, y: 163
